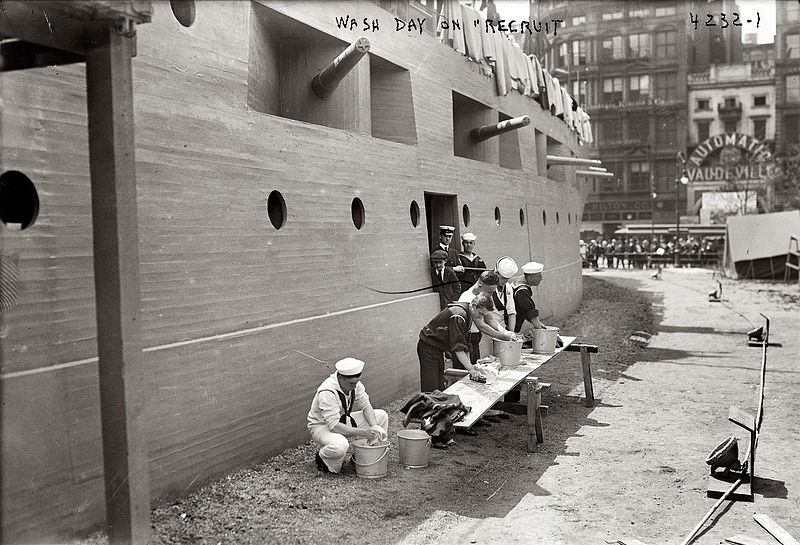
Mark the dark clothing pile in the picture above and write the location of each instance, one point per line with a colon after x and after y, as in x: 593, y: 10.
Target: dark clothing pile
x: 436, y: 412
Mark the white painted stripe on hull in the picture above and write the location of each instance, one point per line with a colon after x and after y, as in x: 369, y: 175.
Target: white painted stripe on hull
x: 221, y: 336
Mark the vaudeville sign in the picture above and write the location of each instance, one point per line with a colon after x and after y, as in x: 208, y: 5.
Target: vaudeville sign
x: 730, y: 164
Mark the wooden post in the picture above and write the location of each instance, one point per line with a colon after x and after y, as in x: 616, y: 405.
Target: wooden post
x: 109, y: 93
x: 535, y: 432
x: 587, y: 376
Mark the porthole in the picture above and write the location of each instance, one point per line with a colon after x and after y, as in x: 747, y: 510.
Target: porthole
x: 521, y: 217
x: 414, y: 212
x: 19, y: 201
x: 496, y: 216
x: 544, y: 217
x: 357, y: 210
x: 556, y: 217
x: 276, y: 208
x: 569, y: 218
x: 184, y: 11
x: 465, y: 215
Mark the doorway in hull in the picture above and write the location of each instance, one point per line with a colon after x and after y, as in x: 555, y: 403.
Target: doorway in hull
x: 441, y: 209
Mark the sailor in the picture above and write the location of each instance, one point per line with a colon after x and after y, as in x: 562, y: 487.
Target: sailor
x: 470, y: 261
x: 444, y: 279
x: 505, y: 312
x: 340, y: 411
x: 523, y: 299
x: 445, y: 238
x: 487, y: 283
x: 448, y: 332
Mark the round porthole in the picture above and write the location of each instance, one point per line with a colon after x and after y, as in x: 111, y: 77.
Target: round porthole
x: 496, y: 216
x: 19, y: 201
x: 521, y: 217
x: 184, y: 11
x: 276, y: 208
x: 556, y: 217
x: 544, y: 217
x: 569, y: 218
x: 357, y: 211
x: 414, y: 212
x: 465, y: 215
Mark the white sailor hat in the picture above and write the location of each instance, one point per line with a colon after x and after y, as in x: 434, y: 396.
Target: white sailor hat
x: 506, y: 267
x: 349, y: 367
x: 468, y: 236
x: 449, y: 229
x: 532, y: 267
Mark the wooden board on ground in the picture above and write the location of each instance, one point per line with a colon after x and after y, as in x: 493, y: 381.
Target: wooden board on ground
x: 718, y: 486
x: 775, y: 529
x: 481, y: 397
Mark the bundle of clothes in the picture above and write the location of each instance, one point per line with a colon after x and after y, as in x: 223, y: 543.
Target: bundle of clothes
x: 436, y: 412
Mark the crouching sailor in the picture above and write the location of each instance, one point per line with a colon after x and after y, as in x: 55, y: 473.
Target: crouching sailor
x: 340, y: 411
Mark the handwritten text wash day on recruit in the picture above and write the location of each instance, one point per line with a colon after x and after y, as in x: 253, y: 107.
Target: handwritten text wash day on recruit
x: 415, y: 24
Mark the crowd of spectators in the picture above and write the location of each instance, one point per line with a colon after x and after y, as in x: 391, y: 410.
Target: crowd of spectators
x: 646, y: 252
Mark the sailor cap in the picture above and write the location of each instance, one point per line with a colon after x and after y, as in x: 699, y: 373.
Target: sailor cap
x: 468, y: 236
x: 448, y: 229
x: 349, y: 367
x: 532, y: 267
x: 506, y: 267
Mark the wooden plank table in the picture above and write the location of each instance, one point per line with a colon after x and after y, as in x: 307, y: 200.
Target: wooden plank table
x: 481, y: 397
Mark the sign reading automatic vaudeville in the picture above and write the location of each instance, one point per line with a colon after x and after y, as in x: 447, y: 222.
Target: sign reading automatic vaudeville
x: 730, y: 164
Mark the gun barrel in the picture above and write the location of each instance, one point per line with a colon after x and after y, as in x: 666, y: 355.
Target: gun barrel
x: 575, y: 161
x: 329, y: 77
x: 487, y: 131
x: 594, y: 173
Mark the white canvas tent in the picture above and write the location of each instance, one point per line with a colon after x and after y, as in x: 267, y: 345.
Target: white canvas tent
x: 756, y: 245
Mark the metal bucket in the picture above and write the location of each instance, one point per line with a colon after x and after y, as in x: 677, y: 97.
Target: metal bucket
x: 544, y: 340
x: 371, y: 460
x: 508, y: 352
x: 415, y: 448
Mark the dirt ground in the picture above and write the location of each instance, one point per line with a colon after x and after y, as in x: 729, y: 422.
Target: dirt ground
x: 631, y: 467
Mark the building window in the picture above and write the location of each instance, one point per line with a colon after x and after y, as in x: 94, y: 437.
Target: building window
x: 792, y: 11
x: 760, y: 100
x: 666, y: 132
x: 612, y: 89
x: 665, y: 44
x: 639, y: 87
x: 703, y: 105
x: 665, y: 86
x: 638, y: 13
x: 639, y: 128
x: 612, y: 130
x: 561, y: 54
x: 640, y: 176
x: 579, y: 94
x: 579, y: 48
x: 760, y: 129
x: 703, y: 130
x: 665, y: 176
x: 663, y: 12
x: 612, y: 15
x: 793, y: 88
x: 612, y: 48
x: 791, y: 129
x: 793, y: 46
x: 581, y: 19
x: 731, y: 126
x: 730, y: 102
x: 640, y: 46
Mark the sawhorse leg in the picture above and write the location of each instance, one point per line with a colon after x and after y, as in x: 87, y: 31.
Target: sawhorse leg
x: 586, y: 363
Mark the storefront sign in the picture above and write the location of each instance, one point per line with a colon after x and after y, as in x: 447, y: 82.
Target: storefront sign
x: 616, y: 206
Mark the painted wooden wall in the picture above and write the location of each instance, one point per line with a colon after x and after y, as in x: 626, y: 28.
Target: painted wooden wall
x: 241, y: 321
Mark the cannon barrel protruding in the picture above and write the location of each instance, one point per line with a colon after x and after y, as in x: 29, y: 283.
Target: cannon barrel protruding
x: 575, y: 161
x: 487, y: 131
x: 329, y: 77
x: 595, y: 173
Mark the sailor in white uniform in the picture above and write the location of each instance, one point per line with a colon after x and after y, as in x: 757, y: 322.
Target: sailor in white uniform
x: 340, y: 411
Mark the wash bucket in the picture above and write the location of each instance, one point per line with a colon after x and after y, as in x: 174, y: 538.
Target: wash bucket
x: 415, y: 448
x: 544, y: 340
x: 371, y: 460
x: 508, y: 352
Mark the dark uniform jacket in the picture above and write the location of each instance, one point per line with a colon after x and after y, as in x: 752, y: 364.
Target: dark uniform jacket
x: 448, y: 288
x: 526, y: 308
x: 449, y: 329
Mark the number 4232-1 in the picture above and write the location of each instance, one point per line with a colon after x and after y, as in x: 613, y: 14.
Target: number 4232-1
x: 721, y: 19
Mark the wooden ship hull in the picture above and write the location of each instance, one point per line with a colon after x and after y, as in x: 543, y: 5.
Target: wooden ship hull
x: 240, y: 320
